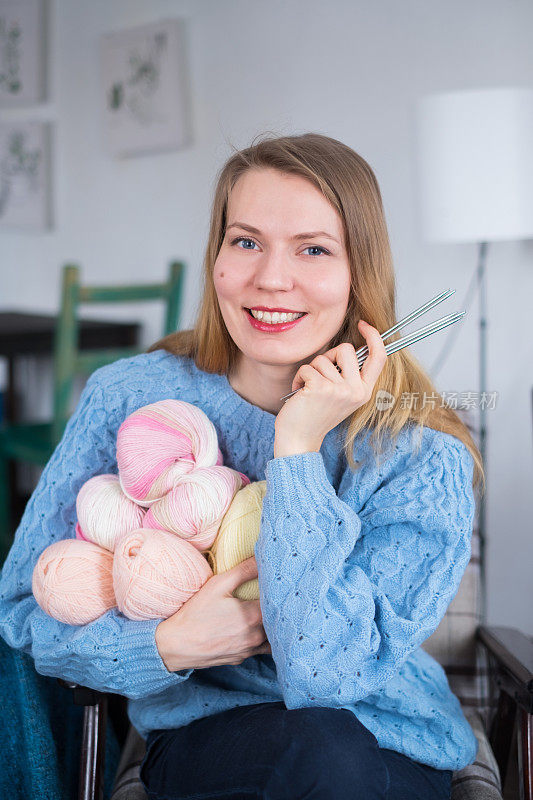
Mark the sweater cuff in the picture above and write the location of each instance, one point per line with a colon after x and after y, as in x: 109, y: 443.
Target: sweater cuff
x: 151, y: 675
x: 298, y: 478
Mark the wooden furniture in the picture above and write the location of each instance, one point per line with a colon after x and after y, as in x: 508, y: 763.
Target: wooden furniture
x: 35, y: 442
x: 24, y: 333
x: 511, y: 668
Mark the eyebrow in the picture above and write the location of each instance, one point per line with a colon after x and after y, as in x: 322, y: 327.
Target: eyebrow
x: 310, y: 235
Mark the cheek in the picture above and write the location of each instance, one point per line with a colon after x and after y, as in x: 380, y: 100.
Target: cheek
x: 227, y: 280
x: 330, y: 292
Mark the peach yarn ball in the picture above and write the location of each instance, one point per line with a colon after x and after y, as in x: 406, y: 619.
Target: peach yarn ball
x: 238, y: 534
x: 104, y: 511
x: 73, y: 581
x: 160, y: 443
x: 155, y: 572
x: 194, y: 509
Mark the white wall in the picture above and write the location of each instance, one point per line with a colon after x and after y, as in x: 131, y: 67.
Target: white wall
x: 352, y: 70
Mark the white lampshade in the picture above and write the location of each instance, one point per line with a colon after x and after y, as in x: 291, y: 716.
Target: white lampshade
x: 475, y: 165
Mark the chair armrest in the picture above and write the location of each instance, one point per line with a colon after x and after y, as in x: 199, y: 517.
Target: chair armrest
x: 83, y: 696
x: 512, y: 651
x: 116, y: 705
x: 92, y: 761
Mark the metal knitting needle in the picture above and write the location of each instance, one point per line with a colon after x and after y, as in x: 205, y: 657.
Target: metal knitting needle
x: 418, y: 312
x: 429, y: 327
x: 422, y: 333
x: 406, y: 341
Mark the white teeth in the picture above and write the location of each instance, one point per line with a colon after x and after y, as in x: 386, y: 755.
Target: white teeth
x: 275, y: 317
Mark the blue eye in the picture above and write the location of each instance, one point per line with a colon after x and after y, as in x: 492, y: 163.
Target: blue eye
x: 316, y: 247
x: 243, y: 239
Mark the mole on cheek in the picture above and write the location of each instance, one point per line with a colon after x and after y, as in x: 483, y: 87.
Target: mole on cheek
x: 221, y: 274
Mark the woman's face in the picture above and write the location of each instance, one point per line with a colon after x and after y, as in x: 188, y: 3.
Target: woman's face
x: 283, y: 248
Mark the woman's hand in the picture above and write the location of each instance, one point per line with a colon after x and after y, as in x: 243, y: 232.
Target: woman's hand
x: 327, y: 396
x: 213, y: 627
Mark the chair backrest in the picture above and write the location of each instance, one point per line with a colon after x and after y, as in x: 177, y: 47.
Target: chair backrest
x: 454, y: 644
x: 69, y: 361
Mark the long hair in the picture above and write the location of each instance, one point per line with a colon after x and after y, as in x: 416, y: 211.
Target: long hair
x: 348, y: 182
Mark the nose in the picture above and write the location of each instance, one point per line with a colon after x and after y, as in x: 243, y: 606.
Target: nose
x: 273, y: 271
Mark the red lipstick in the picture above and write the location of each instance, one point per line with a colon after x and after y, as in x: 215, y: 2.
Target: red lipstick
x: 267, y: 327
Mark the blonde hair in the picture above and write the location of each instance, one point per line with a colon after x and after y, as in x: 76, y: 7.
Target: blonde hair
x: 348, y: 182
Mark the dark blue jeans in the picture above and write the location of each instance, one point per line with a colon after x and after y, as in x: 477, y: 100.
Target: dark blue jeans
x: 267, y: 751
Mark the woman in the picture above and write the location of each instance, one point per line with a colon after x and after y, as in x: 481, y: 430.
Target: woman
x: 320, y: 689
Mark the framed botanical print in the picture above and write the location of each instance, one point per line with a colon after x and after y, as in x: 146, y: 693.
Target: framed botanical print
x: 25, y: 176
x: 22, y: 52
x: 145, y: 89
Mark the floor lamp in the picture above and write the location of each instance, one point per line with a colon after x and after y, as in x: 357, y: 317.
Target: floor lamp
x: 475, y: 181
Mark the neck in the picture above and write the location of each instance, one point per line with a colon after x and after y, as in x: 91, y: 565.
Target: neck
x: 263, y: 384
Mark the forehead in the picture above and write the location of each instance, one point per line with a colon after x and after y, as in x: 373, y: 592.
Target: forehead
x: 268, y: 198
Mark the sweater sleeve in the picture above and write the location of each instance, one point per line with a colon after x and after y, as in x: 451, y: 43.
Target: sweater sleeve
x: 346, y: 597
x: 112, y: 653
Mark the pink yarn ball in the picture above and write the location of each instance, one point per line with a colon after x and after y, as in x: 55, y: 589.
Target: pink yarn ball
x: 160, y: 443
x: 104, y: 511
x: 195, y: 507
x: 155, y: 572
x: 73, y: 581
x: 79, y: 533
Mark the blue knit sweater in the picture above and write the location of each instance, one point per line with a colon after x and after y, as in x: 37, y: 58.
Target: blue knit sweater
x: 356, y: 570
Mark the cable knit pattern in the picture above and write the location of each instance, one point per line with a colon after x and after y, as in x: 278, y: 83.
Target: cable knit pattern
x: 356, y: 570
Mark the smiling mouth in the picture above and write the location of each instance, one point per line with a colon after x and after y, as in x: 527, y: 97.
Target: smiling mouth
x: 301, y: 313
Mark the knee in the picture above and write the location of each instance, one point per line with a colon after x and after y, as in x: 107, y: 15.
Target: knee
x: 328, y: 753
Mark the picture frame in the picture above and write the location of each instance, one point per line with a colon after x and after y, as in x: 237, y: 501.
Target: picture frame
x: 145, y: 89
x: 22, y: 52
x: 25, y: 170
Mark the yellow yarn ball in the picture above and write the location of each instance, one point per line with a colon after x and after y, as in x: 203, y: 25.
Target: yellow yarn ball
x: 237, y: 535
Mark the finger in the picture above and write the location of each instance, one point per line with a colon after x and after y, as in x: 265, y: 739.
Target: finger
x: 377, y: 357
x: 306, y: 375
x: 326, y: 366
x: 258, y: 637
x: 232, y: 578
x: 264, y: 647
x: 238, y: 658
x: 346, y: 357
x: 251, y: 610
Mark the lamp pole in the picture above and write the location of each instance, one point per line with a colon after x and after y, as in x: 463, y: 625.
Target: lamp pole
x: 482, y: 259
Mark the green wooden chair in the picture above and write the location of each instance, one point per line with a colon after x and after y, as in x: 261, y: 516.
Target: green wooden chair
x: 35, y: 442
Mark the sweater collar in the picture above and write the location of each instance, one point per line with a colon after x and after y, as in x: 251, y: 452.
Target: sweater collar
x: 246, y: 427
x: 243, y: 427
